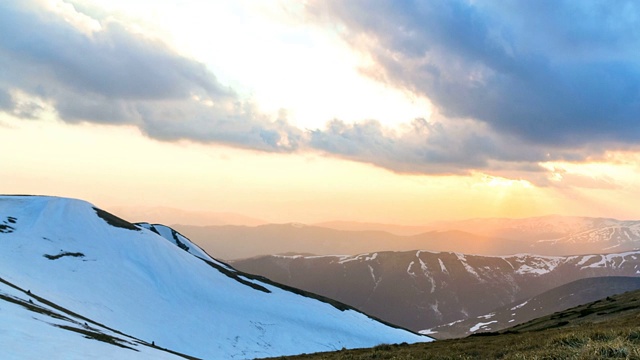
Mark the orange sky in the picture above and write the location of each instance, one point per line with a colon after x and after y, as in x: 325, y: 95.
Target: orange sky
x: 285, y: 111
x: 116, y: 166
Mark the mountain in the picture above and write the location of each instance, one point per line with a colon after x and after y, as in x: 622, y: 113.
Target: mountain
x: 146, y: 284
x: 612, y: 235
x: 550, y: 235
x: 532, y: 228
x: 554, y: 234
x: 563, y: 297
x: 401, y: 230
x: 239, y: 242
x: 420, y: 290
x: 169, y: 215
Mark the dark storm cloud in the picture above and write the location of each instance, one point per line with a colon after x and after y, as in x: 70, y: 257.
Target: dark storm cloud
x: 554, y: 73
x: 114, y: 76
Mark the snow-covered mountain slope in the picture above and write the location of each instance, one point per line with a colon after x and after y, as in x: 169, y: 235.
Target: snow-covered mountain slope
x: 557, y: 299
x: 131, y: 279
x: 32, y: 327
x: 421, y: 290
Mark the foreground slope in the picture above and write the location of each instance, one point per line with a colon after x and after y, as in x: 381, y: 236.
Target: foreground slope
x: 557, y: 299
x: 604, y: 329
x: 34, y: 328
x: 133, y: 280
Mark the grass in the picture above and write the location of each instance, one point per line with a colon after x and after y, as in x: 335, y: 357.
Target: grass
x: 609, y: 330
x: 576, y: 343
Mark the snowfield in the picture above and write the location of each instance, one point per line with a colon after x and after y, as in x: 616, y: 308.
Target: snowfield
x: 150, y: 285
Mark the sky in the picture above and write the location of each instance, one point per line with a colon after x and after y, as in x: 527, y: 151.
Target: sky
x: 306, y: 111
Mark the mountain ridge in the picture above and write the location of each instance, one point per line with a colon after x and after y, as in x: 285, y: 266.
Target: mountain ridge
x: 422, y: 289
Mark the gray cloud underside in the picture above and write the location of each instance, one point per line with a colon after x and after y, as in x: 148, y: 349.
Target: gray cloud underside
x: 521, y: 108
x: 114, y: 76
x: 551, y: 72
x: 438, y: 147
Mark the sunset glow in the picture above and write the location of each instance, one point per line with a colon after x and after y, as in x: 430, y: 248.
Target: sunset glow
x: 310, y: 111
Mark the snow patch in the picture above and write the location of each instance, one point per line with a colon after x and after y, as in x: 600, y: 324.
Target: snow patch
x: 534, y: 265
x: 376, y: 281
x: 488, y: 316
x: 411, y: 273
x: 442, y: 267
x: 463, y: 260
x: 477, y: 326
x: 519, y: 306
x: 372, y: 257
x: 585, y: 259
x: 427, y: 332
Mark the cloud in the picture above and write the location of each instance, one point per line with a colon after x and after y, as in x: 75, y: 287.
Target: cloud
x: 6, y: 100
x: 440, y: 147
x: 515, y: 84
x: 106, y: 73
x: 554, y: 73
x: 112, y: 61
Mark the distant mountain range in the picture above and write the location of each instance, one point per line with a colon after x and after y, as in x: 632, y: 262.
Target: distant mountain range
x: 550, y: 235
x: 533, y: 228
x: 79, y: 282
x: 168, y: 215
x: 238, y: 242
x: 402, y: 230
x: 421, y: 290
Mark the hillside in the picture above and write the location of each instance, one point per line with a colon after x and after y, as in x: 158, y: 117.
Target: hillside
x: 156, y: 286
x: 607, y: 328
x: 39, y: 327
x: 557, y: 299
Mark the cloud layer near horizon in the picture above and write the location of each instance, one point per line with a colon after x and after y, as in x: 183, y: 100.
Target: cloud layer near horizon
x: 514, y: 84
